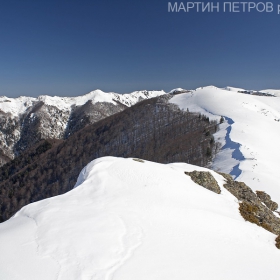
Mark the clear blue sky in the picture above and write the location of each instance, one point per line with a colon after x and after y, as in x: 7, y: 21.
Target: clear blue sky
x: 67, y: 47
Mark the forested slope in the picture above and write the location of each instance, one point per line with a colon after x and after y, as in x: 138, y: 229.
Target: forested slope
x: 152, y: 129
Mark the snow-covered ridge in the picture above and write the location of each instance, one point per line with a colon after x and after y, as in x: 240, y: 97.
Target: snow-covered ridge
x: 234, y: 89
x: 267, y: 92
x: 17, y: 106
x: 129, y: 219
x: 275, y: 92
x: 249, y: 135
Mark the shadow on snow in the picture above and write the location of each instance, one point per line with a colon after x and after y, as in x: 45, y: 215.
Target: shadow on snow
x: 236, y: 154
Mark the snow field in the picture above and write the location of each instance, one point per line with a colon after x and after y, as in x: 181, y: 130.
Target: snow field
x: 131, y: 220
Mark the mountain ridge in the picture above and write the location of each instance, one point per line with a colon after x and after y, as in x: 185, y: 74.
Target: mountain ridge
x: 249, y: 134
x: 131, y: 218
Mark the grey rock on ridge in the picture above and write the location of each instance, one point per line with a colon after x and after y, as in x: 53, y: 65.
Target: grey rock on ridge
x: 205, y: 179
x: 251, y: 207
x: 266, y: 199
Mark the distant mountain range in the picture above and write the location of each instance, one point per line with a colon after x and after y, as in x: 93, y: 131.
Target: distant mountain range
x: 26, y: 120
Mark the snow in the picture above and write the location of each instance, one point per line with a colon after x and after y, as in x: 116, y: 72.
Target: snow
x: 250, y: 140
x: 136, y: 220
x: 17, y: 106
x: 234, y: 89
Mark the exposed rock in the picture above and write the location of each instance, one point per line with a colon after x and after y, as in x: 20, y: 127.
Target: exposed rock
x: 266, y: 199
x: 205, y: 179
x: 278, y: 242
x: 139, y: 160
x: 240, y: 190
x: 251, y: 207
x: 9, y: 135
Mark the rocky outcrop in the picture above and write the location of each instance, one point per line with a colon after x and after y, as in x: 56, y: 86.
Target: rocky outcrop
x: 251, y: 207
x: 255, y: 208
x: 205, y: 179
x: 266, y: 199
x: 10, y: 127
x: 278, y: 242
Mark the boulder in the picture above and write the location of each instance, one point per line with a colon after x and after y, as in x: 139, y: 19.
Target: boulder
x: 205, y: 179
x: 266, y: 199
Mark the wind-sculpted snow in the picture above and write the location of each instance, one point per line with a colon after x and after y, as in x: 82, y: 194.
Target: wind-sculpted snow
x: 255, y: 133
x: 129, y: 219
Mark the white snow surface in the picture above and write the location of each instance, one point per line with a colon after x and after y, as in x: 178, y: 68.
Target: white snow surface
x: 234, y: 89
x: 250, y: 135
x: 177, y: 90
x: 132, y: 220
x: 17, y: 106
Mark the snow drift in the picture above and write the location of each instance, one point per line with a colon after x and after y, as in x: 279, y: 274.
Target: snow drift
x: 134, y: 219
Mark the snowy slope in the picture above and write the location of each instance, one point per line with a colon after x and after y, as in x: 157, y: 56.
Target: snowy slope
x: 234, y: 89
x: 136, y: 220
x: 250, y: 135
x: 17, y: 106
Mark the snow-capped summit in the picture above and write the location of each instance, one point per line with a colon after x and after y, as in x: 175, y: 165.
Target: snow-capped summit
x: 19, y: 105
x: 132, y: 219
